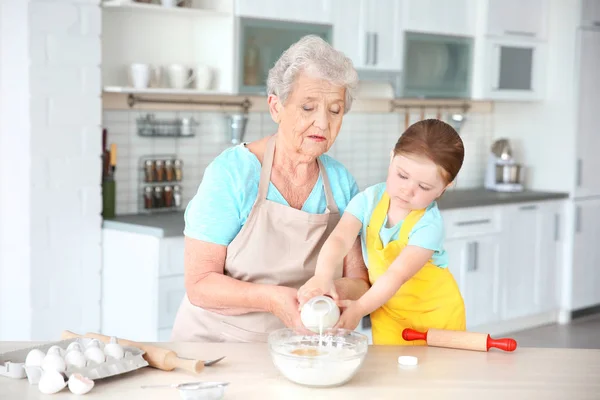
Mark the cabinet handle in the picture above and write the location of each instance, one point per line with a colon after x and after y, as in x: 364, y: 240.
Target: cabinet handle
x: 526, y: 208
x: 520, y: 33
x: 375, y: 47
x: 474, y: 222
x: 556, y: 227
x: 579, y: 168
x: 596, y: 23
x: 578, y: 219
x: 472, y: 257
x: 367, y: 48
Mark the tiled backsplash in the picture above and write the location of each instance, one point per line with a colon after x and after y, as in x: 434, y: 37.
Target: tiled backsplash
x: 363, y: 146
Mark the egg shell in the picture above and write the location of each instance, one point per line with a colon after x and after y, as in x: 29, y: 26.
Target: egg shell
x: 51, y: 382
x: 35, y: 358
x: 114, y: 350
x: 79, y: 384
x: 94, y: 354
x: 54, y: 362
x: 56, y: 350
x: 75, y: 346
x: 75, y: 358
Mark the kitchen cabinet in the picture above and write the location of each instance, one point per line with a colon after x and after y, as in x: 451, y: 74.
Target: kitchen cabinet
x: 142, y: 284
x: 590, y: 13
x: 511, y: 69
x: 448, y: 17
x: 369, y: 32
x: 586, y: 253
x: 518, y: 18
x: 588, y: 132
x: 313, y: 11
x: 529, y: 260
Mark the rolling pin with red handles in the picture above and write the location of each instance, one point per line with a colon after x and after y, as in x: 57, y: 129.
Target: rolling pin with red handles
x: 459, y: 340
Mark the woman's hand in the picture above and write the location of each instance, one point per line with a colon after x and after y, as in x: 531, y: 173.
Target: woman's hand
x: 351, y: 315
x: 316, y: 286
x: 284, y: 305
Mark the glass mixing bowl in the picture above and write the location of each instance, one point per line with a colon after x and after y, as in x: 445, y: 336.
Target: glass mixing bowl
x: 318, y: 361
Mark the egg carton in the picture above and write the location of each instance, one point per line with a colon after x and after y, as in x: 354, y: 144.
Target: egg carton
x: 12, y: 364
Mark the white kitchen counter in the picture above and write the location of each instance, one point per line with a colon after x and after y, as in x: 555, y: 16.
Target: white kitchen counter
x: 528, y: 373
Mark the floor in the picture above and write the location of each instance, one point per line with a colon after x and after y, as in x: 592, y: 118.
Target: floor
x: 581, y: 333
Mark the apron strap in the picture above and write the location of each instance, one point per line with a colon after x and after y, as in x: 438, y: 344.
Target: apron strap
x: 331, y: 206
x: 265, y: 170
x: 265, y: 177
x: 409, y: 223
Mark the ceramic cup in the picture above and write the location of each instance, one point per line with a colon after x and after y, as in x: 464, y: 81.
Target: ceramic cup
x: 180, y: 76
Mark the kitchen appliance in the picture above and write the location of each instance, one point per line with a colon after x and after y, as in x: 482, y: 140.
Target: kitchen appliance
x: 503, y: 173
x: 459, y: 340
x: 437, y: 66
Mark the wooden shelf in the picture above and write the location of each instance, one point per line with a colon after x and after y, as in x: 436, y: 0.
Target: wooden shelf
x: 120, y: 5
x: 165, y: 91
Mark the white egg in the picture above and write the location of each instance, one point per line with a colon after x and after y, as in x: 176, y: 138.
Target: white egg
x: 75, y: 358
x: 94, y: 354
x: 75, y: 346
x: 54, y: 362
x: 93, y: 343
x: 35, y: 358
x: 51, y: 382
x: 79, y: 384
x: 113, y: 349
x: 56, y: 350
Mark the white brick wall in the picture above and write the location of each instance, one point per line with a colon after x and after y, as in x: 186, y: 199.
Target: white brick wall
x: 60, y: 245
x: 363, y: 146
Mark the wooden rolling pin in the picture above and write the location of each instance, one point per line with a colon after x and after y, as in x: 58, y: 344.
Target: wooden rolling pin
x: 459, y: 340
x: 157, y: 357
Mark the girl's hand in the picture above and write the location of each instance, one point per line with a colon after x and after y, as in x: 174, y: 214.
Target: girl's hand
x: 316, y: 286
x: 351, y: 315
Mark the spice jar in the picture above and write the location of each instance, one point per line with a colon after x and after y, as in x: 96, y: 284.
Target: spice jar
x: 177, y: 196
x: 160, y: 170
x: 169, y: 170
x: 149, y: 170
x: 168, y: 196
x: 178, y: 167
x: 148, y: 197
x: 158, y: 197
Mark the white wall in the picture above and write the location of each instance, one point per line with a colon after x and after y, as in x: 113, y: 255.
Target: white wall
x: 51, y: 230
x: 544, y: 132
x: 15, y: 176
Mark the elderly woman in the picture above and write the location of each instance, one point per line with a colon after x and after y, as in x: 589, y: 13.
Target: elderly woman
x: 263, y: 210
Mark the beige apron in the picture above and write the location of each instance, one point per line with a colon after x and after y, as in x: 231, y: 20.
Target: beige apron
x: 278, y: 245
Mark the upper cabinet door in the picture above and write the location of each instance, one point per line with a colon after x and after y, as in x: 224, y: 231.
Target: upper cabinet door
x: 369, y: 32
x: 313, y: 11
x: 588, y: 133
x: 518, y: 18
x: 447, y: 17
x: 386, y: 34
x: 590, y: 12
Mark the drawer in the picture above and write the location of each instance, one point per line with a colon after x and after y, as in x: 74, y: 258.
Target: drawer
x: 466, y: 222
x: 171, y: 256
x: 170, y: 293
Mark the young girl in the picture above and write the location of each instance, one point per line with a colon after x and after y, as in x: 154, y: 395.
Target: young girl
x: 402, y: 236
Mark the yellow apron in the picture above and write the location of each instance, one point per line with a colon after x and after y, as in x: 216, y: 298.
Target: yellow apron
x: 430, y: 299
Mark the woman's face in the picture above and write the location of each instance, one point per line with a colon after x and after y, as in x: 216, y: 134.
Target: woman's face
x: 311, y: 117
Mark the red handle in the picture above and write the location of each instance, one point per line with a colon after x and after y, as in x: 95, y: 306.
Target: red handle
x: 502, y: 344
x: 410, y: 334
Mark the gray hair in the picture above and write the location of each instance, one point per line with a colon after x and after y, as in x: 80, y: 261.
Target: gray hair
x: 315, y: 55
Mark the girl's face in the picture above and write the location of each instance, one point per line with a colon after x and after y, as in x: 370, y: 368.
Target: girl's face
x: 413, y: 181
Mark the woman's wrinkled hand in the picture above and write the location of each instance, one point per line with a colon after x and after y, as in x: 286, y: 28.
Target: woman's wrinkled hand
x: 284, y: 305
x: 316, y: 286
x: 351, y: 315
